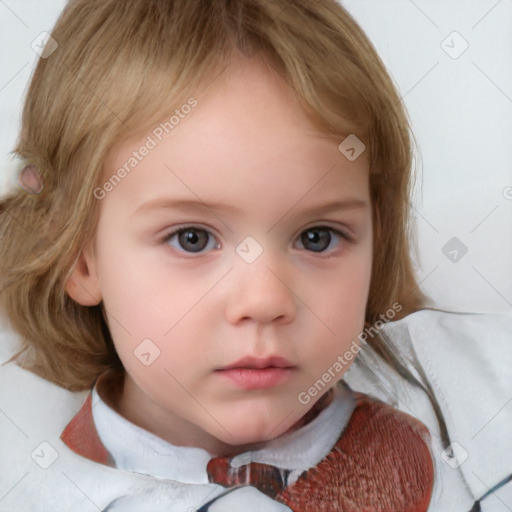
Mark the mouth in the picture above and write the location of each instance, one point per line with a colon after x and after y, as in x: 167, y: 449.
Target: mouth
x: 257, y: 373
x: 254, y: 363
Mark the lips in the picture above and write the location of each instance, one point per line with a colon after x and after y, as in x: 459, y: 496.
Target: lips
x: 254, y: 363
x: 250, y: 373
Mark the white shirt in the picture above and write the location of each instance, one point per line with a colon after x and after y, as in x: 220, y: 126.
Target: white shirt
x: 467, y: 359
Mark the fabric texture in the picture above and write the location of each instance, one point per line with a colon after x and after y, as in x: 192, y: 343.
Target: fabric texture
x: 379, y: 463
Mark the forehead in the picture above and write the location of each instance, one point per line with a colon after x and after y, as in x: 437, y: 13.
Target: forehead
x: 247, y: 133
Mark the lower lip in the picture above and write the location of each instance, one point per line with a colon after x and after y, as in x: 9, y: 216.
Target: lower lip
x: 252, y: 378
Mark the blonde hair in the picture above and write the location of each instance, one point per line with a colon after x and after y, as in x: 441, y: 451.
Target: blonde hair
x: 117, y: 64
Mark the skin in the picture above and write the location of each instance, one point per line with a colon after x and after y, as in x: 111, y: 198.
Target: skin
x: 250, y: 147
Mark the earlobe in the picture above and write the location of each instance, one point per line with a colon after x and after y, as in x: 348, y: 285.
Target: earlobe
x: 83, y: 285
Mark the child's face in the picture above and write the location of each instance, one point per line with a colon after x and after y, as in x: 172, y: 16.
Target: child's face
x: 245, y: 163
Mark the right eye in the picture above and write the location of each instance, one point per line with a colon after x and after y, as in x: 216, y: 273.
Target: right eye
x: 191, y: 239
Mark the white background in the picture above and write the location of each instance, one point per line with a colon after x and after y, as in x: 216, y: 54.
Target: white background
x: 461, y: 111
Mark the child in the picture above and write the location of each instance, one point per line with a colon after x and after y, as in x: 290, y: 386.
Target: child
x: 212, y: 216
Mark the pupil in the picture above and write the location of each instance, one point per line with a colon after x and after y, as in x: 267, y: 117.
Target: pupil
x: 316, y: 240
x: 192, y: 237
x: 193, y: 240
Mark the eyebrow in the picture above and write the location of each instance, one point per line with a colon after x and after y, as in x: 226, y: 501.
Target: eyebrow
x: 194, y: 205
x: 165, y: 203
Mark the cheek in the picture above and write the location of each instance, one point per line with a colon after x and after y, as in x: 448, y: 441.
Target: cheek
x: 339, y: 300
x: 137, y: 294
x: 152, y: 312
x: 344, y: 293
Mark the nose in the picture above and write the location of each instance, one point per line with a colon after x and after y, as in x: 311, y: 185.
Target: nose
x: 259, y: 292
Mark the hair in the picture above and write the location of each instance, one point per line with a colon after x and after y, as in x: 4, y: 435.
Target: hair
x: 118, y: 66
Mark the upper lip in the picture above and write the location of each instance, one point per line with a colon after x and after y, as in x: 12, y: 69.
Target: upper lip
x: 260, y: 363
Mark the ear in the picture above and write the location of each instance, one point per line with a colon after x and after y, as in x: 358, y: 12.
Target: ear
x: 83, y: 285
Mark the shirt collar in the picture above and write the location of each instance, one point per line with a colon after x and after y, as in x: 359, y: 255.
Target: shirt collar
x: 100, y: 433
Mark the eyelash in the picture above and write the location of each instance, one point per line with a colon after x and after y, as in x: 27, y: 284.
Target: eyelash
x: 324, y: 253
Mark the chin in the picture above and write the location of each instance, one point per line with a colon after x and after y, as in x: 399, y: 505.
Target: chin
x: 251, y: 432
x: 240, y: 445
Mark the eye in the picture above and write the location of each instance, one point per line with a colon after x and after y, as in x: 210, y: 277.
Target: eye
x: 320, y: 239
x: 192, y: 240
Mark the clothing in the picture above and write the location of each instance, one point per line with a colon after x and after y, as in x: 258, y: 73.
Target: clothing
x: 466, y: 358
x: 473, y: 396
x: 380, y: 460
x: 134, y: 449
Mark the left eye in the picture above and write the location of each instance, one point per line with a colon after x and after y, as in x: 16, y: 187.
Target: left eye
x: 319, y: 239
x: 192, y: 240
